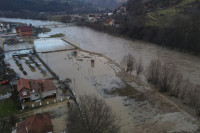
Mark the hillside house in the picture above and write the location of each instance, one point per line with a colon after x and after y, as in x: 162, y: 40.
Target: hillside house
x: 24, y: 31
x: 92, y: 18
x: 109, y: 22
x: 35, y: 89
x: 38, y: 123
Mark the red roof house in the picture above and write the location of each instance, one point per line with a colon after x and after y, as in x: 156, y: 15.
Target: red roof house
x: 109, y: 22
x: 24, y: 31
x: 38, y: 123
x: 29, y: 89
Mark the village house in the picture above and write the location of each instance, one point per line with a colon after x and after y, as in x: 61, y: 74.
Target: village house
x: 24, y: 31
x: 38, y: 123
x: 109, y: 22
x: 121, y: 10
x: 92, y: 18
x: 4, y: 27
x: 35, y: 89
x: 110, y: 14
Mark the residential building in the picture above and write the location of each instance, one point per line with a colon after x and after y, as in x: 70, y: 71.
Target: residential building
x: 24, y: 31
x: 38, y: 123
x: 92, y: 18
x: 35, y: 89
x: 109, y: 22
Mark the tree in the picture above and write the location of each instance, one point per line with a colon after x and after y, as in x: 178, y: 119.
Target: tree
x: 139, y: 67
x: 95, y: 117
x: 128, y: 62
x: 177, y: 84
x: 167, y: 76
x: 66, y: 19
x: 153, y: 71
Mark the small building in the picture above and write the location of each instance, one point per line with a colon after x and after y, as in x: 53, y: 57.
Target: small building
x: 38, y: 123
x: 29, y: 89
x: 24, y: 31
x: 109, y: 22
x: 110, y: 14
x: 92, y: 18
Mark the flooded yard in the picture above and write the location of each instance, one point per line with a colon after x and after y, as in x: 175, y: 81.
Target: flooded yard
x: 17, y: 47
x: 51, y: 44
x: 101, y: 79
x: 27, y: 65
x: 86, y: 78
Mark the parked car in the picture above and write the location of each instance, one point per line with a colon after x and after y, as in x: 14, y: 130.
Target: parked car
x: 4, y: 82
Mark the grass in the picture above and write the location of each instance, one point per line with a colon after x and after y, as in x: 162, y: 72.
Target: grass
x: 40, y: 30
x: 128, y: 91
x: 158, y: 17
x: 57, y: 35
x: 4, y: 89
x: 6, y: 127
x: 7, y: 107
x: 46, y: 30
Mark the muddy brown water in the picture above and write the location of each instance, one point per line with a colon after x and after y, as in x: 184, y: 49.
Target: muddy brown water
x: 116, y: 47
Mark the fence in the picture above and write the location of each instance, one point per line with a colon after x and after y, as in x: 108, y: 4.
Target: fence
x: 2, y: 97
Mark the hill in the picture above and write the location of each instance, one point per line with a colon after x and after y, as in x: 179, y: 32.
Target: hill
x: 110, y: 4
x: 68, y: 6
x: 182, y: 8
x: 170, y: 23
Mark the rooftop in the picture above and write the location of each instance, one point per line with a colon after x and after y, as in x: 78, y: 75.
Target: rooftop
x: 39, y: 123
x: 37, y: 85
x: 24, y: 28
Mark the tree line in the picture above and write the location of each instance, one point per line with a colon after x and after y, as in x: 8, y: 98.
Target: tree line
x: 166, y: 78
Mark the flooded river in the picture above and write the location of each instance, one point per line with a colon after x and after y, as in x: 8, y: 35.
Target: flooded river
x: 116, y: 47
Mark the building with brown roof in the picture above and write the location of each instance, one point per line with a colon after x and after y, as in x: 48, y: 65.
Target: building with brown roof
x: 38, y: 123
x: 29, y: 89
x: 109, y: 22
x: 24, y: 31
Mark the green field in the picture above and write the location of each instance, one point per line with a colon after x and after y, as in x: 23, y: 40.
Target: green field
x: 163, y: 17
x: 7, y: 107
x: 57, y: 35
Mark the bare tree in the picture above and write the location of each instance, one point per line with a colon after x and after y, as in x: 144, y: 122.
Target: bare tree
x: 175, y: 90
x: 75, y: 123
x: 139, y: 67
x: 128, y: 62
x: 95, y: 117
x: 185, y: 85
x: 192, y: 95
x: 167, y: 75
x: 153, y: 71
x: 197, y: 106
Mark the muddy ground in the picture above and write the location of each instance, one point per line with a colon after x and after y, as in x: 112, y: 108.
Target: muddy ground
x: 138, y: 107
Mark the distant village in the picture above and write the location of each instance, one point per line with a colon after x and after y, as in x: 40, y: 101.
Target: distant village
x: 107, y: 19
x: 19, y: 89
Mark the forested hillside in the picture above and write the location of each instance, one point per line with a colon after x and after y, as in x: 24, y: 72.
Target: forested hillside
x: 110, y: 4
x: 171, y: 23
x: 68, y: 6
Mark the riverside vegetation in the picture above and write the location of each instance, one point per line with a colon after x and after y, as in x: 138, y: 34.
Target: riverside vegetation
x: 166, y: 79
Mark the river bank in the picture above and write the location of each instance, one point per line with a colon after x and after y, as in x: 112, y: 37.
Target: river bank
x: 100, y: 27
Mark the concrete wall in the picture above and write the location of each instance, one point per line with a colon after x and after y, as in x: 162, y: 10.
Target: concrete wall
x: 35, y: 96
x: 48, y: 93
